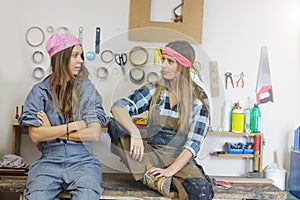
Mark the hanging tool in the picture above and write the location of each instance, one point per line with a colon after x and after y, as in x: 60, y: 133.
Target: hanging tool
x: 264, y: 84
x: 196, y: 70
x: 177, y: 18
x: 121, y: 60
x: 228, y: 75
x: 241, y: 80
x: 80, y: 34
x: 157, y: 56
x: 214, y: 78
x: 97, y: 41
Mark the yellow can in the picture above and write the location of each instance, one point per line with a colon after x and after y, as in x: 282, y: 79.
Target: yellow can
x: 238, y: 118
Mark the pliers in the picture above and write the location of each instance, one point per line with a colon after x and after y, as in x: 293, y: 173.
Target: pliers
x: 228, y: 75
x: 241, y: 79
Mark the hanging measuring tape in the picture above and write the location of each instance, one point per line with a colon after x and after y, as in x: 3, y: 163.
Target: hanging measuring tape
x: 137, y: 75
x: 138, y: 56
x: 107, y: 56
x: 37, y: 57
x: 63, y: 29
x: 90, y: 55
x: 30, y: 31
x: 152, y: 77
x: 50, y: 29
x: 102, y: 72
x: 38, y: 73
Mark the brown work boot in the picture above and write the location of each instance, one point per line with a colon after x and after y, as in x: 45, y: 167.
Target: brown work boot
x: 161, y: 184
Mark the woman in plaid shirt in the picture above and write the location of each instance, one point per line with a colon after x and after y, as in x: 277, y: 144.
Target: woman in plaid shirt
x: 178, y: 121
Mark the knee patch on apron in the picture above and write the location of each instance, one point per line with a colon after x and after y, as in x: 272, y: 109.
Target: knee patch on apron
x: 198, y: 188
x: 191, y: 182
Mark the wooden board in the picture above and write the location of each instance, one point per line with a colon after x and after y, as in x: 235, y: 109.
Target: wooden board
x: 143, y: 29
x: 11, y: 170
x: 253, y: 191
x: 243, y: 179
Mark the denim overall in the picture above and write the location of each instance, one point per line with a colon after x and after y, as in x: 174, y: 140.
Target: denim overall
x: 162, y: 144
x: 65, y: 165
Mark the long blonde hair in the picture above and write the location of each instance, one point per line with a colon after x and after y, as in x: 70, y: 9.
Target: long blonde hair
x: 64, y: 85
x: 186, y: 91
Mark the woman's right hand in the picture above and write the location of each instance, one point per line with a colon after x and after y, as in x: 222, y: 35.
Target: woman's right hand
x: 136, y: 147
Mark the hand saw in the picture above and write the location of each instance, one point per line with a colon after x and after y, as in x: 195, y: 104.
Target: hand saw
x: 264, y: 90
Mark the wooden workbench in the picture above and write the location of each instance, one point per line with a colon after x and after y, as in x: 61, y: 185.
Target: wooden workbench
x: 122, y: 186
x: 249, y: 188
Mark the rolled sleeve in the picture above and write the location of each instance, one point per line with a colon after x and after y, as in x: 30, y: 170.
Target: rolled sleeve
x: 138, y: 102
x: 92, y: 106
x: 198, y: 128
x: 32, y: 104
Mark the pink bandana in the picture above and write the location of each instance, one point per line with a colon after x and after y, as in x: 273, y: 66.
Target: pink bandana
x: 59, y: 42
x: 177, y: 56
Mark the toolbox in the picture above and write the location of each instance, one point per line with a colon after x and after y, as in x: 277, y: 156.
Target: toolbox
x: 240, y: 148
x: 235, y: 148
x: 249, y: 148
x: 295, y: 173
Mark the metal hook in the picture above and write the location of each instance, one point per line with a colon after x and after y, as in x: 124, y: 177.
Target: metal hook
x: 178, y: 18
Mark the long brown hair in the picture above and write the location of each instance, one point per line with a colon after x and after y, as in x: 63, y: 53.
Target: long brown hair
x: 64, y: 85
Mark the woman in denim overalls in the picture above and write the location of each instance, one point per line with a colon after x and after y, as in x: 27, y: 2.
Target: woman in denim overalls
x: 64, y: 115
x: 163, y: 157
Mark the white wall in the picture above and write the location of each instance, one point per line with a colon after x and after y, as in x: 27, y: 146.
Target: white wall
x: 233, y: 33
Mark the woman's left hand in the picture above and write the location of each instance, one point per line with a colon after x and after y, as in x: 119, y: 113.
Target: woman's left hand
x: 43, y: 118
x: 159, y: 172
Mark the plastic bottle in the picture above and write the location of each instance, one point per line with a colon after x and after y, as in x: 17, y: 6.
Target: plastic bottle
x: 247, y: 112
x: 255, y: 118
x: 226, y: 115
x: 238, y: 119
x: 232, y: 109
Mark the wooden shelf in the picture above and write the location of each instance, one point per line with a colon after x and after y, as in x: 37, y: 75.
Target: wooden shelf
x: 225, y: 133
x: 231, y: 155
x: 247, y: 135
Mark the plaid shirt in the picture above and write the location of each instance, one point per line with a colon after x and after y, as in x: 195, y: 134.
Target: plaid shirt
x: 139, y: 101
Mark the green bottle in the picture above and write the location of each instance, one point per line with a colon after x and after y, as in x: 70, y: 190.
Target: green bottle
x: 255, y: 118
